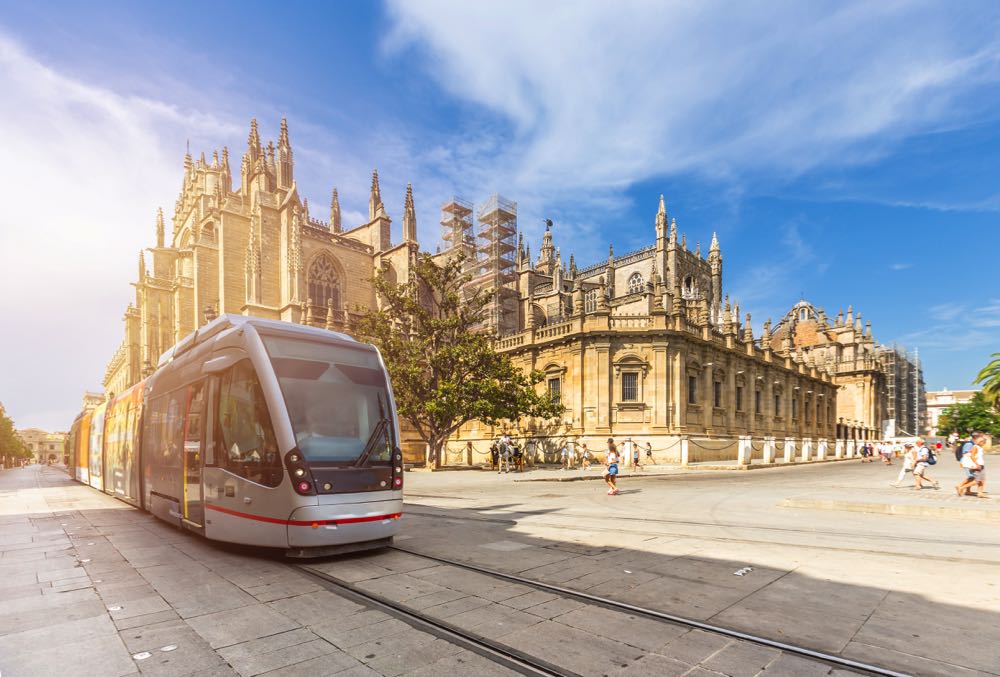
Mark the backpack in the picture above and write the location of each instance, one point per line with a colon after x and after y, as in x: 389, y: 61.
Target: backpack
x: 931, y: 458
x: 961, y: 448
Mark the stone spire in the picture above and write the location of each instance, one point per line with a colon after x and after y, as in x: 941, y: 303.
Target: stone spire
x: 285, y: 164
x: 697, y: 249
x: 857, y: 324
x: 765, y: 337
x: 747, y: 330
x: 159, y: 227
x: 715, y: 243
x: 375, y: 200
x: 142, y: 267
x: 868, y: 329
x: 546, y: 257
x: 572, y: 265
x: 673, y: 231
x: 335, y: 212
x: 661, y: 219
x: 329, y: 313
x: 305, y: 209
x: 253, y: 142
x: 684, y: 241
x: 409, y: 216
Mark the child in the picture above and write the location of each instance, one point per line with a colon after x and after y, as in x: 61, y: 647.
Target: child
x: 611, y: 474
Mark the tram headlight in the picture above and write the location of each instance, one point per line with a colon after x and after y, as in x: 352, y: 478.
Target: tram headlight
x: 300, y: 472
x: 398, y: 469
x: 294, y: 458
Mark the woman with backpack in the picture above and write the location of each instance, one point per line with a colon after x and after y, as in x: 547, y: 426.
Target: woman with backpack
x: 925, y: 458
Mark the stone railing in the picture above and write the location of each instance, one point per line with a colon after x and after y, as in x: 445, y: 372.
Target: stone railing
x: 508, y: 342
x: 552, y: 331
x: 631, y: 321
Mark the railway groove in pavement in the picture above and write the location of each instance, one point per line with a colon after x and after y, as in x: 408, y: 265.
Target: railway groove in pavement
x: 829, y: 659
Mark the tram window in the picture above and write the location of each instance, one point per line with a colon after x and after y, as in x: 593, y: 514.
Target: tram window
x: 248, y: 447
x: 192, y: 437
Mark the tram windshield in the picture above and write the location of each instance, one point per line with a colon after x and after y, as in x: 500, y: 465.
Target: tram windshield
x: 337, y: 399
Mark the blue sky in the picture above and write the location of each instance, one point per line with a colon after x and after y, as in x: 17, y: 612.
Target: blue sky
x: 847, y: 152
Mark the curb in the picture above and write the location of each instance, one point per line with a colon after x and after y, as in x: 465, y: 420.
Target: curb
x: 590, y: 477
x: 905, y: 509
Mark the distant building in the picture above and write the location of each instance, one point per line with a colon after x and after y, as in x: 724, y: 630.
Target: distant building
x: 45, y: 446
x: 906, y: 406
x: 939, y: 400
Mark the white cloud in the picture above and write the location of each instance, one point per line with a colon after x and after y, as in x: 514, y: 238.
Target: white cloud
x: 85, y: 169
x: 900, y: 266
x: 599, y: 95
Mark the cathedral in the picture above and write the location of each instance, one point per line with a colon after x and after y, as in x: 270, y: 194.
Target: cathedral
x: 645, y: 345
x: 253, y: 248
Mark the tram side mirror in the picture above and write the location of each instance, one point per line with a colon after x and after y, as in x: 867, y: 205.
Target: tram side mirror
x: 219, y: 364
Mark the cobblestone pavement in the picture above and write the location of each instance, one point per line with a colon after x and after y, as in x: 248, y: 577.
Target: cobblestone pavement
x: 90, y: 586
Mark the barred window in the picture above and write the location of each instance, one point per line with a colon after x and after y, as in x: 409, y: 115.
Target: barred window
x: 756, y: 402
x: 635, y: 283
x: 717, y: 393
x: 590, y: 300
x: 630, y: 386
x: 692, y: 389
x: 795, y: 408
x: 739, y: 398
x: 555, y: 389
x: 777, y: 404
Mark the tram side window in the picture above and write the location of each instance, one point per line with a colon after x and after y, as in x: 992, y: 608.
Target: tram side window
x: 248, y: 447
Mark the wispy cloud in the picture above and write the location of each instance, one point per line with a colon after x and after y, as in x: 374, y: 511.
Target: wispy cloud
x: 900, y: 266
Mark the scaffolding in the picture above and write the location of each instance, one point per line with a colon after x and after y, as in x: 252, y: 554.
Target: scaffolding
x: 496, y: 266
x: 905, y: 390
x: 457, y: 233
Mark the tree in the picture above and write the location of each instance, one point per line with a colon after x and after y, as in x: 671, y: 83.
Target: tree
x: 976, y: 414
x: 989, y: 377
x: 445, y: 371
x: 11, y: 444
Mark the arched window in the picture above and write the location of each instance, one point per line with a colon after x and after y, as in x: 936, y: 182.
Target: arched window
x: 590, y: 300
x: 324, y: 283
x: 803, y: 315
x: 635, y: 283
x: 689, y: 284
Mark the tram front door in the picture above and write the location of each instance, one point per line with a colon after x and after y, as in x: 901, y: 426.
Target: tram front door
x: 194, y: 440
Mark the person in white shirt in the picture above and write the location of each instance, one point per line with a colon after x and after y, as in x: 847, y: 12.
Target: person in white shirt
x: 923, y: 455
x: 974, y: 462
x: 909, y: 460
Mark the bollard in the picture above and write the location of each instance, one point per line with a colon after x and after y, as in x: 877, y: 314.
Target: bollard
x: 850, y: 448
x: 821, y: 450
x: 789, y: 450
x: 685, y: 456
x: 745, y: 450
x: 838, y: 449
x: 768, y: 450
x: 807, y: 445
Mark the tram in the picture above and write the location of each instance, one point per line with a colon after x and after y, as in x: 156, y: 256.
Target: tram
x: 256, y: 432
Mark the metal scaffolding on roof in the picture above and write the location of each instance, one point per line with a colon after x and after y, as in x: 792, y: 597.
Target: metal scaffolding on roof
x: 496, y: 270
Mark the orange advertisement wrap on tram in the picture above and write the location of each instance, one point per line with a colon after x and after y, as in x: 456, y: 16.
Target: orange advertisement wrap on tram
x: 82, y: 450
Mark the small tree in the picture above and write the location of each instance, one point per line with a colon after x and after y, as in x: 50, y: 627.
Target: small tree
x: 11, y: 444
x: 445, y: 371
x: 976, y: 414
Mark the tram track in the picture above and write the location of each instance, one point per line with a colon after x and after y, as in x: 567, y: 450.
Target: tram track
x: 694, y: 624
x: 500, y: 653
x: 529, y: 664
x: 729, y: 538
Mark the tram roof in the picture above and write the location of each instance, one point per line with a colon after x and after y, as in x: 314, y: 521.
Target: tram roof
x: 231, y: 320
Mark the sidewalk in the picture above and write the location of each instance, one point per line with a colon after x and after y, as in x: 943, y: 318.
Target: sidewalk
x: 91, y: 586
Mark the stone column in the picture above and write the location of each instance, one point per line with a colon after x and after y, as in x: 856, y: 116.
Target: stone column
x: 807, y: 445
x: 838, y: 449
x: 769, y: 449
x: 789, y: 449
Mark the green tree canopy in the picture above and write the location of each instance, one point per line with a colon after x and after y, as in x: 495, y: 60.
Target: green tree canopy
x: 11, y: 444
x: 976, y: 414
x: 989, y: 378
x: 444, y: 368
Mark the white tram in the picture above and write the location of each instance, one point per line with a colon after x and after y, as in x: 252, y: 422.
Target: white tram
x: 257, y: 432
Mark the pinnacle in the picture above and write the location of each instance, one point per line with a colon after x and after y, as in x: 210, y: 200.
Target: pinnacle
x: 715, y: 243
x: 662, y: 208
x: 283, y: 138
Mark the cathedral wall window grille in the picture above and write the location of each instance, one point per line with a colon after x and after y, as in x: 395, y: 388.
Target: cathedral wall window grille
x: 756, y: 402
x: 692, y: 390
x: 717, y: 394
x: 590, y: 301
x: 739, y: 398
x: 630, y: 386
x: 777, y: 405
x: 555, y: 389
x: 635, y: 283
x: 324, y: 282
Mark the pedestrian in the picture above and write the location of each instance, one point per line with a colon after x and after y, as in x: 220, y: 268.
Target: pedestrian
x: 563, y: 459
x: 649, y: 453
x: 611, y: 474
x: 495, y: 454
x: 925, y: 458
x: 974, y: 461
x: 505, y: 452
x: 909, y: 460
x: 585, y: 456
x: 866, y: 454
x: 635, y: 454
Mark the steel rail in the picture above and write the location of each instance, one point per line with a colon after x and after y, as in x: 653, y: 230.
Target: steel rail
x: 500, y: 653
x: 831, y: 659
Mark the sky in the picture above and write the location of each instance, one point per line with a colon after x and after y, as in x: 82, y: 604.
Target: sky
x: 844, y: 152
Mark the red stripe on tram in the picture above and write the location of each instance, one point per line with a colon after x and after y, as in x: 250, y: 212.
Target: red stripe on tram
x: 304, y: 523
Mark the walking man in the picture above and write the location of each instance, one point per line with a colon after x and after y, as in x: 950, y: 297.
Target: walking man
x: 974, y: 461
x: 611, y: 474
x: 925, y: 459
x: 585, y: 456
x: 909, y: 460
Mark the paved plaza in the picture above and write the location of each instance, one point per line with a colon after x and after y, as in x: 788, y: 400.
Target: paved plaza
x: 834, y: 559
